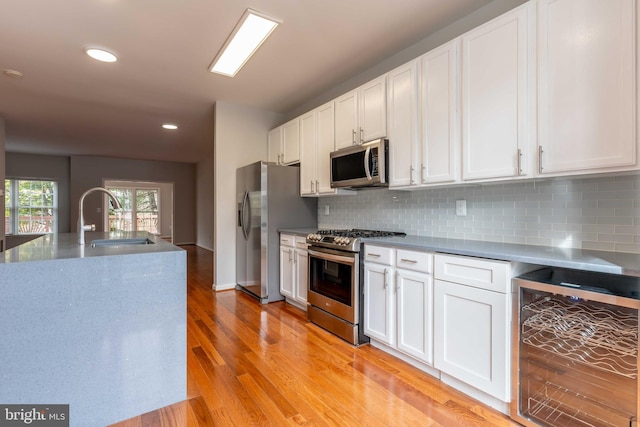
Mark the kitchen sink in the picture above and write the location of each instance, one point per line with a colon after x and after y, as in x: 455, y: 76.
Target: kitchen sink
x: 121, y: 242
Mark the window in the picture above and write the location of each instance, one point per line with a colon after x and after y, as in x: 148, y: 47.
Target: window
x: 31, y: 207
x: 139, y: 210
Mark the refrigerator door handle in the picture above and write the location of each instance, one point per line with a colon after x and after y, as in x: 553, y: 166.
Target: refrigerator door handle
x: 245, y: 222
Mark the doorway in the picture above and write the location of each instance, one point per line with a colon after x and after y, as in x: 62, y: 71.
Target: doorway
x: 146, y: 206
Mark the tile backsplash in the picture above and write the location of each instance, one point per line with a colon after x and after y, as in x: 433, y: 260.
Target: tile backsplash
x: 601, y: 213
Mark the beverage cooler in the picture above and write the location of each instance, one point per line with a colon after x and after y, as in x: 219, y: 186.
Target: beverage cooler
x: 575, y: 349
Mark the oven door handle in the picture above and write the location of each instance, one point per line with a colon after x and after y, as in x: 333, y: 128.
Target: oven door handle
x: 332, y: 257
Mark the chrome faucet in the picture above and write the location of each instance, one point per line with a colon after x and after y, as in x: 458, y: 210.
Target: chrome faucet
x: 81, y: 227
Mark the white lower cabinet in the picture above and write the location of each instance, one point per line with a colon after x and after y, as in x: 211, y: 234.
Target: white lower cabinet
x: 294, y: 262
x: 472, y: 322
x: 471, y: 336
x: 398, y: 301
x: 448, y: 315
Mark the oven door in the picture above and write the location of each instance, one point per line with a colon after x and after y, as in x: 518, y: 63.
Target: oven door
x: 333, y: 282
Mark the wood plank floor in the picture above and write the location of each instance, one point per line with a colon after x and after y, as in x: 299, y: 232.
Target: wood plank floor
x: 266, y: 365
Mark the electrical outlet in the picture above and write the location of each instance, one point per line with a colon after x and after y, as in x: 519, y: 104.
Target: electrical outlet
x: 326, y: 209
x: 461, y: 208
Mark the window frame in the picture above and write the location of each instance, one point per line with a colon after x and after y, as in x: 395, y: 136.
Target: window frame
x: 12, y: 223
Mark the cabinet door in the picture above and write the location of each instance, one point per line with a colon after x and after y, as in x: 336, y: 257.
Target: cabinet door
x: 403, y: 128
x: 471, y: 336
x: 372, y: 110
x: 494, y: 97
x: 302, y: 275
x: 326, y: 144
x: 379, y: 309
x: 274, y: 145
x: 291, y: 141
x: 414, y: 295
x: 346, y: 119
x: 440, y: 120
x: 286, y: 271
x: 586, y: 98
x: 308, y: 157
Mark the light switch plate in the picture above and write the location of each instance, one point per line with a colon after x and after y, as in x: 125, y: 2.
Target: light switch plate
x: 461, y: 208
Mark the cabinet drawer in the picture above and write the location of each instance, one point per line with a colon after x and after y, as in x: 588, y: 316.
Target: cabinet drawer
x: 301, y: 242
x: 476, y: 272
x: 413, y: 260
x: 378, y: 254
x: 287, y: 239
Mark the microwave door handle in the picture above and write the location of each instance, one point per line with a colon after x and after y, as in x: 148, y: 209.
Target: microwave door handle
x: 367, y: 156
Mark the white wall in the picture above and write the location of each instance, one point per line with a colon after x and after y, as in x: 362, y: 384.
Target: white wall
x: 240, y: 138
x: 204, y: 196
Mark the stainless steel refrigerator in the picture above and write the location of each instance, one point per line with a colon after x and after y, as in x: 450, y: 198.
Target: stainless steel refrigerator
x: 268, y: 199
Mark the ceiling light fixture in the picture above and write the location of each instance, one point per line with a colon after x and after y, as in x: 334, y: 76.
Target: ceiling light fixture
x: 247, y: 36
x: 101, y: 55
x: 170, y: 126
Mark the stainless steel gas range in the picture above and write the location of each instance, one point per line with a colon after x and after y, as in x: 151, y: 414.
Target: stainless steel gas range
x: 335, y: 281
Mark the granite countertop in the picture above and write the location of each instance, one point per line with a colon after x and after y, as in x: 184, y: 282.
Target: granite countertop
x: 577, y: 259
x: 65, y: 246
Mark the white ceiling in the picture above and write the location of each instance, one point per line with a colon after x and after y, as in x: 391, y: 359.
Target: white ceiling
x: 67, y: 103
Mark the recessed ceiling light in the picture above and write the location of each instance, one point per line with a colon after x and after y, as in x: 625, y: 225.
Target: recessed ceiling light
x: 13, y: 73
x: 101, y: 55
x: 247, y: 36
x: 170, y: 126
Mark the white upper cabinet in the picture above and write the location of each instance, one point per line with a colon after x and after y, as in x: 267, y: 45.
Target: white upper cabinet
x: 403, y: 125
x: 283, y: 143
x: 373, y: 110
x: 291, y: 141
x: 316, y: 144
x: 586, y: 86
x: 439, y: 115
x: 274, y: 145
x: 361, y: 115
x: 308, y: 154
x: 495, y: 97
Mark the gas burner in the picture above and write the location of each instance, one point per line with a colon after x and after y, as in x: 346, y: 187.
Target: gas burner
x: 349, y: 239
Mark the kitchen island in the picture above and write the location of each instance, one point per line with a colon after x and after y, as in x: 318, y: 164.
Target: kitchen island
x: 102, y: 329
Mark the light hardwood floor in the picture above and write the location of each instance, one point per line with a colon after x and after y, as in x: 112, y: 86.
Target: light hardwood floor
x: 266, y: 365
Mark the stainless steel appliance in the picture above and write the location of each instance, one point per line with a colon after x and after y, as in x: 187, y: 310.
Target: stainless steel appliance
x: 335, y: 286
x: 575, y: 349
x: 268, y: 198
x: 361, y: 165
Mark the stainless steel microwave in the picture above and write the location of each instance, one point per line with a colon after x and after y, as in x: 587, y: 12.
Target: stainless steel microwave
x: 361, y: 165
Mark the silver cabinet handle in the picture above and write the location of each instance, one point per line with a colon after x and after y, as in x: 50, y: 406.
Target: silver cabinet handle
x: 312, y: 190
x: 423, y: 174
x: 290, y: 255
x: 411, y: 261
x: 361, y: 136
x: 519, y: 161
x: 317, y: 186
x: 295, y: 257
x: 411, y: 181
x: 373, y: 255
x: 397, y: 288
x: 386, y: 282
x: 540, y: 151
x: 353, y: 137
